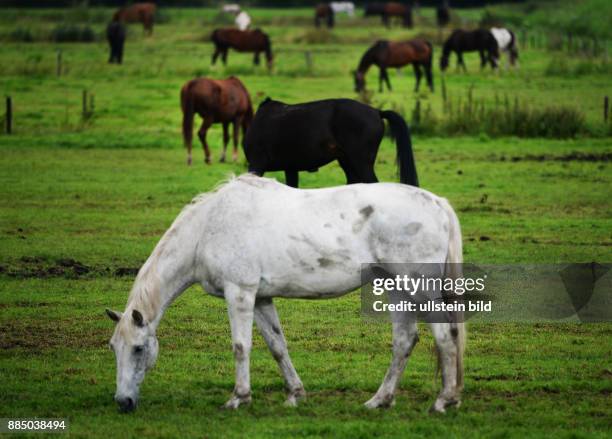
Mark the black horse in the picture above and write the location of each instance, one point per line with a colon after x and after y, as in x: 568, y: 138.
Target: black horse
x: 115, y: 33
x: 306, y: 136
x: 443, y: 14
x: 481, y: 40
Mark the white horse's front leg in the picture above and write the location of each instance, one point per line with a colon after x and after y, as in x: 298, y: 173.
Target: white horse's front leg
x: 268, y: 323
x: 240, y: 303
x: 404, y: 339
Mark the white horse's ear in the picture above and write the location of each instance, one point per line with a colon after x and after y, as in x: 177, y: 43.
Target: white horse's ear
x: 138, y: 318
x: 113, y: 315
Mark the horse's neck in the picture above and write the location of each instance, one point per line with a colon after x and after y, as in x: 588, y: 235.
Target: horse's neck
x: 366, y: 61
x: 165, y: 275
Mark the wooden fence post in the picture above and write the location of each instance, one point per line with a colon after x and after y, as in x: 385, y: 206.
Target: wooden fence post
x: 308, y: 58
x: 9, y: 115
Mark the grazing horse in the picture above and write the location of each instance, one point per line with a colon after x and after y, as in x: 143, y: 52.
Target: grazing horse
x: 480, y: 40
x: 506, y: 41
x: 383, y: 53
x: 138, y: 13
x: 343, y: 7
x: 216, y: 101
x: 324, y: 11
x: 115, y: 34
x: 389, y: 10
x: 306, y: 136
x: 255, y: 239
x: 443, y: 14
x: 242, y: 41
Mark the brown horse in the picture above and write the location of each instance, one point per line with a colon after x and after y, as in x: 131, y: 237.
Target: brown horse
x: 216, y: 101
x: 383, y: 53
x: 389, y: 10
x: 324, y: 11
x: 138, y: 13
x: 242, y: 41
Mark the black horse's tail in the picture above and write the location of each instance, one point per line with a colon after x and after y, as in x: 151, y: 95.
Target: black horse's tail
x: 405, y: 158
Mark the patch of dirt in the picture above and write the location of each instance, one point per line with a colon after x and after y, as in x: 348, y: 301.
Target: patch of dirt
x: 40, y: 268
x: 571, y: 157
x: 47, y: 334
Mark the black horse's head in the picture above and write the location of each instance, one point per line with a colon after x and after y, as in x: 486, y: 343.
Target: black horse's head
x: 359, y: 78
x: 444, y: 62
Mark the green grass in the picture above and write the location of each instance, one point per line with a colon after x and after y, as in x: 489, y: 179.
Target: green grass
x: 101, y: 192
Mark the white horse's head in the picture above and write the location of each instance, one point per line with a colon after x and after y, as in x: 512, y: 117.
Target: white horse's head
x: 135, y: 346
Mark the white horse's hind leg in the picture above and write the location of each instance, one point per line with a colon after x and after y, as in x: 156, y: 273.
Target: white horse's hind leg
x: 240, y: 304
x: 404, y: 338
x: 447, y: 357
x: 269, y: 326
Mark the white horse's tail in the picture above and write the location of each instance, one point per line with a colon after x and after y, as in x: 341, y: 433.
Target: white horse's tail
x: 454, y: 270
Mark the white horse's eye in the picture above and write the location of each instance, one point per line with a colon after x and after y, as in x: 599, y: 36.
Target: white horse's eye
x: 138, y: 349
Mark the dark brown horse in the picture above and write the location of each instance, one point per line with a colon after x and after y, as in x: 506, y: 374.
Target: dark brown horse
x: 383, y: 53
x: 138, y: 13
x: 389, y: 10
x: 324, y: 11
x: 242, y: 41
x: 479, y: 40
x: 217, y: 101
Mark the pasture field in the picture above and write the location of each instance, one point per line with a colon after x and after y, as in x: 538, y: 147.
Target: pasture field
x: 84, y: 201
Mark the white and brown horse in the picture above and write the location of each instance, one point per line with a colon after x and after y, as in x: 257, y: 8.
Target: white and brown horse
x: 254, y: 239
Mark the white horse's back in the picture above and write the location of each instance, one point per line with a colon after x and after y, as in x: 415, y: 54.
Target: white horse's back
x: 312, y: 243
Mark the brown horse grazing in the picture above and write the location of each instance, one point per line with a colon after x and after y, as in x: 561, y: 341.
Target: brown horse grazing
x: 225, y: 101
x: 395, y: 9
x: 383, y: 53
x: 324, y: 11
x: 138, y: 13
x: 242, y: 41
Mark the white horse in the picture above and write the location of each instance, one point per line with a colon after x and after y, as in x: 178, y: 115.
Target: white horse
x: 243, y: 20
x: 347, y: 7
x: 254, y: 239
x: 506, y: 41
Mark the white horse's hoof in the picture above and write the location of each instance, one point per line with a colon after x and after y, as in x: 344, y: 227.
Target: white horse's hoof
x: 235, y: 401
x: 378, y: 403
x: 294, y: 397
x: 441, y: 404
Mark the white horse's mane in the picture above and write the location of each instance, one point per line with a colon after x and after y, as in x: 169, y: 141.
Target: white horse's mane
x: 145, y: 291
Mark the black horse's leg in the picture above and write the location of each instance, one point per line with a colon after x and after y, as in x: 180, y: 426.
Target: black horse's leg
x: 256, y: 58
x: 460, y: 62
x: 225, y: 140
x: 418, y: 74
x: 380, y: 79
x: 386, y: 78
x: 215, y: 55
x: 429, y: 76
x: 483, y: 59
x: 363, y: 173
x: 291, y: 177
x: 224, y: 56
